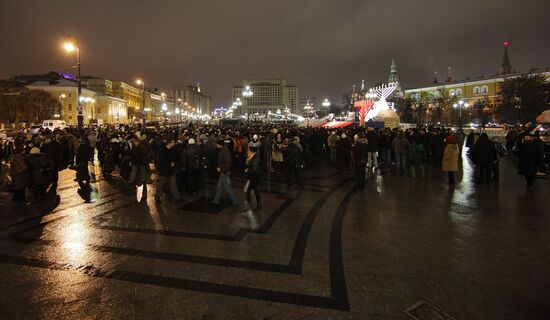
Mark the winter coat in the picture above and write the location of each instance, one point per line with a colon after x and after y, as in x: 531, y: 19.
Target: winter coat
x: 188, y: 157
x: 483, y: 152
x: 372, y: 138
x: 139, y: 155
x: 293, y: 156
x: 253, y: 167
x: 360, y: 152
x: 166, y: 162
x: 40, y: 168
x: 52, y: 151
x: 450, y: 158
x: 416, y: 154
x: 527, y: 164
x: 224, y: 160
x: 20, y: 172
x: 400, y: 145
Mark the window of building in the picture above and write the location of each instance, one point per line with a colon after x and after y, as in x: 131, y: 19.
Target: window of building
x: 70, y: 106
x: 70, y: 94
x: 452, y: 92
x: 484, y: 89
x: 476, y: 90
x: 459, y: 92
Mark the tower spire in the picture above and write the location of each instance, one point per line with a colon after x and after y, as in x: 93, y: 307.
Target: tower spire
x: 393, y: 72
x: 506, y: 67
x: 362, y: 86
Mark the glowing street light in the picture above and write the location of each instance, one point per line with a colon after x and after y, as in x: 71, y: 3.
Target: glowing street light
x: 461, y: 104
x: 72, y: 45
x: 326, y: 103
x: 141, y: 82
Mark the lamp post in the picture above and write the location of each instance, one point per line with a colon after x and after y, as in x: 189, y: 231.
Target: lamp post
x: 460, y: 105
x: 72, y: 45
x: 247, y: 93
x: 143, y: 112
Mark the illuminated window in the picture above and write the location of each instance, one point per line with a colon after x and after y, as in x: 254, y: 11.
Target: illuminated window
x: 484, y: 89
x: 459, y: 92
x: 452, y: 92
x: 476, y: 90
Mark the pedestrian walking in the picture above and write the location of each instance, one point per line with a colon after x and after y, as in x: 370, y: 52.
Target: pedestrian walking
x: 224, y: 171
x: 166, y: 168
x: 450, y: 158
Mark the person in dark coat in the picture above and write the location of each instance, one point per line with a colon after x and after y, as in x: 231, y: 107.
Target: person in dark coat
x: 484, y: 153
x: 166, y: 167
x: 83, y: 155
x: 40, y: 167
x: 20, y: 174
x: 527, y: 164
x: 139, y: 162
x: 253, y: 175
x: 344, y: 150
x: 294, y: 161
x: 360, y: 159
x: 193, y: 161
x: 52, y: 150
x: 416, y: 157
x: 224, y: 170
x: 372, y: 148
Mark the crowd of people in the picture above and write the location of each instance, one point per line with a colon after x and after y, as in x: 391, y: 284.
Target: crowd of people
x: 185, y: 157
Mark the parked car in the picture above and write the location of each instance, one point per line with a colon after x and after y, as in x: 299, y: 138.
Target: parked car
x: 35, y: 129
x: 54, y: 124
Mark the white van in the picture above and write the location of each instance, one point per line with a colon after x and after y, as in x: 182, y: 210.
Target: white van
x: 54, y: 124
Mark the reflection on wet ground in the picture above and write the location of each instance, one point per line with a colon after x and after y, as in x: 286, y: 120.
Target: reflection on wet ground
x: 325, y: 251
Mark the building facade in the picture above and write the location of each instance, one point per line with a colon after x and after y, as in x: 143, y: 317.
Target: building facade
x: 66, y: 91
x: 266, y: 96
x: 192, y: 99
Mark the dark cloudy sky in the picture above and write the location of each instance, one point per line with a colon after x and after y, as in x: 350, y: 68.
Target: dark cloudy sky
x: 320, y: 45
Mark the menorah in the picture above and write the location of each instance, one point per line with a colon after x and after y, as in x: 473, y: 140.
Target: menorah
x: 380, y: 92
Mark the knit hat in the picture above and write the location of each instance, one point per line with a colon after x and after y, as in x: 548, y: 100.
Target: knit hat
x: 35, y: 150
x: 451, y: 139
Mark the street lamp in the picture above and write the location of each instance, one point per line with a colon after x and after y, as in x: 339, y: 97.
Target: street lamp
x: 326, y: 103
x: 461, y: 104
x: 72, y: 45
x: 247, y: 93
x: 141, y: 83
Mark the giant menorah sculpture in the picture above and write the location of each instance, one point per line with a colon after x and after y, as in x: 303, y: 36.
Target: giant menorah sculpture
x: 381, y: 92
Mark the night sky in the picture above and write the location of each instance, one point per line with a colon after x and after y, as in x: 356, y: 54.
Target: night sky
x: 321, y: 46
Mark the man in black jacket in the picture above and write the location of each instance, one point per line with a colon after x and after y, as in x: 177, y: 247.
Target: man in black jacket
x: 52, y: 150
x: 294, y: 160
x: 166, y: 167
x: 360, y: 158
x: 224, y: 170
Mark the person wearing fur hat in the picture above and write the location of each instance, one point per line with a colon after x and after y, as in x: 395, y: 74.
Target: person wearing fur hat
x: 450, y: 158
x: 40, y: 166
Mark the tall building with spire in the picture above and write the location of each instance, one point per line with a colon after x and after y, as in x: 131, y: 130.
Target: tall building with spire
x: 505, y: 67
x: 393, y: 72
x: 394, y: 78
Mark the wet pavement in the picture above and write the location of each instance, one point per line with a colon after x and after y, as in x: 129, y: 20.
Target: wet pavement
x: 400, y: 248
